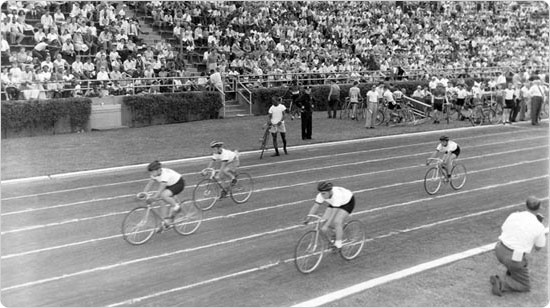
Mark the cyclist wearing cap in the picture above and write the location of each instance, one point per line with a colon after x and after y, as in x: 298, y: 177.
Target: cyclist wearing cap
x: 170, y: 182
x: 450, y: 150
x: 229, y: 162
x: 340, y: 204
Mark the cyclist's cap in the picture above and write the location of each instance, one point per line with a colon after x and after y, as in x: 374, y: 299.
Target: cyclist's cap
x: 154, y: 166
x: 443, y: 138
x: 324, y: 186
x: 214, y: 144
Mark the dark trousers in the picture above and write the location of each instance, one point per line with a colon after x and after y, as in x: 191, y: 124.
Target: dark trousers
x: 333, y: 104
x: 516, y: 277
x: 514, y: 112
x: 536, y: 104
x: 306, y: 125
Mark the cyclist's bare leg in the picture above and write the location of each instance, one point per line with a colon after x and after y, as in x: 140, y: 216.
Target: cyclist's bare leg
x: 275, y: 146
x: 328, y: 217
x: 168, y: 211
x: 339, y: 218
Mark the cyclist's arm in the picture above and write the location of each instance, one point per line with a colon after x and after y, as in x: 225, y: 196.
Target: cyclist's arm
x: 314, y: 208
x: 210, y: 164
x: 162, y: 186
x: 434, y: 155
x: 148, y: 186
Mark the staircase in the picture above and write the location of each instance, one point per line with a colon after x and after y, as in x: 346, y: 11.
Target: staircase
x: 234, y: 109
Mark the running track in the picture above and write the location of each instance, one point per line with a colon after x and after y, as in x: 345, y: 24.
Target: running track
x: 61, y: 243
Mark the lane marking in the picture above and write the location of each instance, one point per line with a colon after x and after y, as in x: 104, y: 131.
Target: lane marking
x: 248, y: 237
x: 185, y: 160
x: 29, y: 210
x: 76, y: 220
x: 379, y: 208
x: 281, y: 162
x: 369, y: 284
x: 276, y: 263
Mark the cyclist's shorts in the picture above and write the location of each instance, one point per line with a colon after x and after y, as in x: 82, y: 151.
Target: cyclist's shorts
x: 348, y: 207
x: 177, y: 188
x: 392, y: 106
x: 457, y: 151
x: 234, y: 164
x: 438, y: 104
x: 460, y: 101
x: 278, y: 128
x: 509, y: 103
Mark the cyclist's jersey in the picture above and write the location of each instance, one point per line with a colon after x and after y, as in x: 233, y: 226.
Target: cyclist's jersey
x: 451, y: 146
x: 168, y: 176
x: 398, y: 95
x: 226, y: 155
x: 340, y: 197
x: 354, y: 94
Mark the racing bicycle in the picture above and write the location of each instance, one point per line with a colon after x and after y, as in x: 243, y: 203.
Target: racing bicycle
x: 401, y: 113
x: 437, y: 175
x: 263, y: 140
x: 313, y: 244
x: 143, y: 222
x: 209, y: 190
x: 347, y: 110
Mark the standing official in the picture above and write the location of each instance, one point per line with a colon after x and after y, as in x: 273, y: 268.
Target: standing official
x: 372, y: 107
x: 305, y: 103
x: 521, y: 232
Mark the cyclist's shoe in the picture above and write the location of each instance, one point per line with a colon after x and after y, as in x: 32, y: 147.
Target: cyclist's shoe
x: 234, y: 182
x: 176, y: 209
x: 223, y: 194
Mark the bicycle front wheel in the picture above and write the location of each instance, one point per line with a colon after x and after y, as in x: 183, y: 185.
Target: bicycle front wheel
x: 139, y: 226
x: 353, y: 241
x: 241, y: 191
x: 490, y: 115
x: 432, y: 181
x: 205, y: 194
x: 309, y: 252
x: 458, y: 176
x: 188, y: 220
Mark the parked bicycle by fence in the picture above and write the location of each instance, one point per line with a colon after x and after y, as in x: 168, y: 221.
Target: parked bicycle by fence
x: 401, y: 114
x: 263, y: 140
x: 480, y: 114
x: 312, y: 245
x: 209, y: 190
x: 437, y: 175
x: 143, y: 222
x: 347, y: 110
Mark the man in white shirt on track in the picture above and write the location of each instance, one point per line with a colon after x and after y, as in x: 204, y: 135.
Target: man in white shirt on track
x: 521, y: 231
x: 276, y: 119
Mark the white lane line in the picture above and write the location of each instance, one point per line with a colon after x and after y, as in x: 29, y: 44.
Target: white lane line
x: 379, y: 208
x: 279, y: 174
x: 77, y: 220
x: 185, y: 160
x: 169, y: 254
x: 273, y: 264
x: 369, y: 284
x: 279, y: 162
x: 360, y: 287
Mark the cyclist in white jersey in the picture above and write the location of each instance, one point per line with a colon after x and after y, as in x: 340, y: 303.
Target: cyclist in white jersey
x: 170, y: 182
x: 450, y: 150
x: 340, y: 204
x: 229, y: 162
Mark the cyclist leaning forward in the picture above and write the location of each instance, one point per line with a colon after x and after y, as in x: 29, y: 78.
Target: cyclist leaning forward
x: 340, y: 204
x: 450, y: 150
x: 229, y: 162
x: 171, y: 183
x: 439, y: 97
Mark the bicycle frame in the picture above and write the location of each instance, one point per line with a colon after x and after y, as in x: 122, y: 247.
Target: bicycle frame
x: 263, y: 146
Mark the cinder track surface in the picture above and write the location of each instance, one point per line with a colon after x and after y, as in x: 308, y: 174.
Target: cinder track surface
x: 61, y: 242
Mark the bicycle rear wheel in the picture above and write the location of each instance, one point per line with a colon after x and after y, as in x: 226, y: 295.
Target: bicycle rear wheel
x: 188, y: 220
x: 379, y: 118
x: 544, y: 112
x: 432, y: 180
x: 205, y: 194
x: 490, y: 116
x: 139, y: 225
x: 458, y: 176
x: 309, y: 252
x: 353, y: 241
x: 241, y: 191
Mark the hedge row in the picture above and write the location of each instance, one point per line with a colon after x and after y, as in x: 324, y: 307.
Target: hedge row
x: 37, y: 116
x: 173, y: 108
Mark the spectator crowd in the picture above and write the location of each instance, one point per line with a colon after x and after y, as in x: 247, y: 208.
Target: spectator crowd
x: 102, y: 41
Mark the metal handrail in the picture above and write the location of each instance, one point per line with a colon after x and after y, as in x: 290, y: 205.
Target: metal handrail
x: 249, y: 100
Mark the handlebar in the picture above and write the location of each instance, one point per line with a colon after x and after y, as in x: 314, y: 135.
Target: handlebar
x: 436, y: 159
x: 212, y: 171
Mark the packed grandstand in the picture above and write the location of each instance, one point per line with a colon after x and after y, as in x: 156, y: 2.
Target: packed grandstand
x: 68, y: 48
